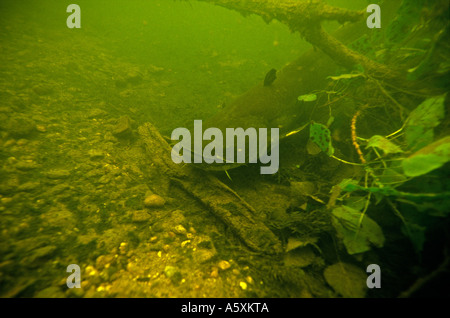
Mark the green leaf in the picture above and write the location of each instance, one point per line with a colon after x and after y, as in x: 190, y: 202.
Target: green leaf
x: 307, y: 98
x: 428, y: 158
x: 392, y: 177
x: 321, y: 136
x: 357, y: 235
x: 421, y: 121
x: 382, y: 143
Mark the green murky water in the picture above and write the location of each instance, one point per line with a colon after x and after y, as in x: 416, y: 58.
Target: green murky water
x: 86, y: 177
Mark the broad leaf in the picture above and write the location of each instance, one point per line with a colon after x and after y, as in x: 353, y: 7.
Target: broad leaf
x: 382, y: 143
x: 422, y: 120
x: 428, y: 158
x: 321, y: 136
x: 356, y: 234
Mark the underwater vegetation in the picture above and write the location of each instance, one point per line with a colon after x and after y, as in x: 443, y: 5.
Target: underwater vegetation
x: 87, y: 178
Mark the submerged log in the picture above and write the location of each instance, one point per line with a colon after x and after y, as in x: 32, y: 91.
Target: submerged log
x: 222, y: 201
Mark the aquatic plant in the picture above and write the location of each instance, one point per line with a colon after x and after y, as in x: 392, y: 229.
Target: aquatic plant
x: 387, y: 167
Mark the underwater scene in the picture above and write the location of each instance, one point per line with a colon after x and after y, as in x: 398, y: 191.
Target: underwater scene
x: 224, y: 149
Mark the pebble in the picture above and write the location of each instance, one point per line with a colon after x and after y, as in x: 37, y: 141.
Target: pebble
x: 214, y: 272
x: 26, y: 165
x: 154, y: 201
x: 224, y: 265
x: 123, y: 127
x: 58, y: 174
x: 123, y: 248
x: 95, y: 154
x: 28, y: 186
x: 170, y: 271
x: 179, y: 229
x: 41, y: 128
x: 9, y: 142
x: 140, y: 216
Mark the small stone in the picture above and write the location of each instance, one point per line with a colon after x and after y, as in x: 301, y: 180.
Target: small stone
x: 202, y: 255
x: 26, y: 165
x: 20, y: 126
x: 214, y: 273
x: 140, y: 216
x: 96, y: 112
x: 179, y: 229
x: 154, y: 201
x: 28, y: 186
x: 95, y: 154
x: 104, y: 261
x: 58, y: 174
x: 173, y: 274
x: 224, y: 265
x: 123, y: 248
x: 22, y: 142
x: 9, y: 142
x: 91, y: 271
x: 123, y: 127
x: 132, y: 268
x: 41, y: 128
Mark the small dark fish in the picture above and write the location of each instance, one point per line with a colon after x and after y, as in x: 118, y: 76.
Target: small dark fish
x: 270, y: 77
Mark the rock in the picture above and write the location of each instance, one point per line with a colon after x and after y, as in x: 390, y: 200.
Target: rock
x: 26, y: 165
x: 123, y: 129
x: 173, y: 274
x: 203, y: 255
x: 139, y: 216
x: 154, y: 201
x: 123, y: 248
x: 95, y: 154
x: 104, y: 261
x: 224, y: 265
x: 58, y: 216
x: 28, y: 186
x: 347, y: 280
x: 58, y: 174
x: 41, y: 128
x: 96, y: 112
x: 20, y: 126
x: 179, y: 229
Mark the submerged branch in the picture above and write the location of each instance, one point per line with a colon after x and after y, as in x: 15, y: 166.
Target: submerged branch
x: 305, y: 17
x: 295, y: 14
